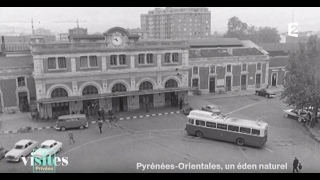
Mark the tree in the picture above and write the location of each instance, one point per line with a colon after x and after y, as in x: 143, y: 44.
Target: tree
x: 236, y: 29
x: 267, y: 35
x: 301, y: 80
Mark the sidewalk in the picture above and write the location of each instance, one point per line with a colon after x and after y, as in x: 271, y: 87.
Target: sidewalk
x: 10, y: 123
x: 314, y: 132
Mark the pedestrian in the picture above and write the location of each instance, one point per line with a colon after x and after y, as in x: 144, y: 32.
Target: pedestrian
x: 102, y: 114
x: 37, y: 116
x: 295, y: 165
x: 147, y: 108
x: 308, y: 118
x: 99, y: 113
x: 181, y: 102
x: 81, y: 111
x: 71, y: 137
x: 100, y: 124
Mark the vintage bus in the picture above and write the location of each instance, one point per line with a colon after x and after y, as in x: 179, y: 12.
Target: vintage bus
x: 224, y: 128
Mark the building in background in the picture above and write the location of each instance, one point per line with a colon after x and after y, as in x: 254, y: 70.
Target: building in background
x: 17, y: 85
x: 78, y: 31
x: 46, y: 34
x: 64, y: 37
x: 177, y: 23
x: 142, y: 33
x: 226, y: 64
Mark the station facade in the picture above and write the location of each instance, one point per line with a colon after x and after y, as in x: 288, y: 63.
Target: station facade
x: 119, y: 73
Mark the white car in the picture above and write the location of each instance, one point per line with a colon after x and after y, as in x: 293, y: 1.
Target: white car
x: 21, y: 149
x: 48, y: 148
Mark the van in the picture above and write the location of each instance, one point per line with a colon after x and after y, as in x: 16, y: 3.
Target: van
x: 71, y: 121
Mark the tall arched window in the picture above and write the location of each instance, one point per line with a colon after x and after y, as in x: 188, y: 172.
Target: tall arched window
x: 171, y: 83
x: 59, y: 92
x: 145, y: 85
x: 90, y: 90
x: 119, y: 88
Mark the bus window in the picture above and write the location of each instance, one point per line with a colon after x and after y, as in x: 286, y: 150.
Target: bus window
x: 222, y: 126
x: 191, y: 121
x: 245, y: 130
x: 211, y: 124
x: 200, y: 123
x: 233, y: 128
x: 255, y: 132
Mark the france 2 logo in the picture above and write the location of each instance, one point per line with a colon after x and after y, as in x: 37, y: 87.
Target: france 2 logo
x: 293, y: 29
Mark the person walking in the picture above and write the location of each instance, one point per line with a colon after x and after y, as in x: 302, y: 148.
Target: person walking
x: 295, y: 165
x: 71, y: 137
x: 100, y: 124
x: 147, y: 108
x: 102, y: 114
x: 81, y: 111
x: 180, y: 103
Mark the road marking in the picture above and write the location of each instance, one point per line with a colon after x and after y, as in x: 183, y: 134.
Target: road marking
x: 116, y: 136
x: 267, y: 149
x: 242, y: 108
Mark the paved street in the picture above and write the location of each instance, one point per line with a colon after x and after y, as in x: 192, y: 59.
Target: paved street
x: 162, y: 139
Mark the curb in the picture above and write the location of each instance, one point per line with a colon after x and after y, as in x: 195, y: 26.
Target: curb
x: 93, y: 122
x: 312, y: 135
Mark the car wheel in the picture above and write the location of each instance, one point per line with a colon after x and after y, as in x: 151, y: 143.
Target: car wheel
x: 240, y: 141
x: 81, y: 127
x: 199, y: 134
x: 62, y: 128
x: 299, y: 119
x: 285, y: 115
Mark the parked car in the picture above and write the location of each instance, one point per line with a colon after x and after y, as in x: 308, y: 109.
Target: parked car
x: 2, y: 152
x: 48, y: 148
x: 187, y: 110
x: 298, y: 114
x: 212, y: 108
x: 21, y: 149
x: 266, y: 93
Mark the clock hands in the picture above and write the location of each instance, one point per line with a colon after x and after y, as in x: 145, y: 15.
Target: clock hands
x: 116, y: 39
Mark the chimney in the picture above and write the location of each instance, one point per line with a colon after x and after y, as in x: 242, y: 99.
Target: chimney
x: 3, y: 48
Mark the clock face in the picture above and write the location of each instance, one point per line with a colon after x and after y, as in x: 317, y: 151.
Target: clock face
x: 117, y: 40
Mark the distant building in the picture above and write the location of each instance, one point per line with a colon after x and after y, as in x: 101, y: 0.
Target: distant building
x: 42, y: 31
x: 63, y: 37
x: 142, y: 33
x: 78, y: 31
x: 87, y: 38
x: 177, y: 23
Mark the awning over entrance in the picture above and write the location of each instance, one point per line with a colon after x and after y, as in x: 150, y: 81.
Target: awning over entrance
x: 110, y: 95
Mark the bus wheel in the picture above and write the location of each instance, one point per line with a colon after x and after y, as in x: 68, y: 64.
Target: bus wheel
x: 199, y: 134
x: 240, y: 141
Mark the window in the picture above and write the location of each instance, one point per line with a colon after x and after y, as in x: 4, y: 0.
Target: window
x: 221, y: 126
x: 228, y: 68
x: 113, y: 60
x: 90, y: 90
x: 167, y: 57
x: 141, y: 58
x: 171, y: 83
x: 255, y: 132
x: 195, y: 82
x: 145, y: 85
x: 119, y: 88
x: 195, y: 70
x: 191, y: 121
x: 122, y: 59
x: 212, y: 69
x: 21, y: 81
x: 175, y: 57
x: 62, y: 62
x: 200, y: 123
x: 233, y: 128
x: 83, y: 61
x: 93, y: 61
x: 211, y: 124
x: 259, y: 66
x: 52, y: 63
x: 245, y: 130
x: 59, y: 92
x: 244, y: 67
x: 149, y: 58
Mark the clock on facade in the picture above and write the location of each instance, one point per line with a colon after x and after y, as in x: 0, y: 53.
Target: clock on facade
x: 116, y: 40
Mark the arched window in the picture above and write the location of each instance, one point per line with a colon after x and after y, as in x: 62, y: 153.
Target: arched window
x: 145, y: 85
x: 59, y: 92
x: 119, y: 88
x: 171, y: 83
x: 90, y: 90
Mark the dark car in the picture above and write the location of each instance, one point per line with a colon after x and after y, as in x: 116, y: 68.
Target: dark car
x: 265, y: 92
x: 212, y: 108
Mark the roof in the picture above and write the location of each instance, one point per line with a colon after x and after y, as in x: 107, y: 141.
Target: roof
x: 279, y: 46
x: 215, y: 42
x: 92, y: 36
x: 278, y: 61
x: 16, y: 62
x: 117, y: 29
x: 23, y: 141
x: 250, y: 44
x: 48, y: 142
x: 72, y: 116
x: 246, y: 52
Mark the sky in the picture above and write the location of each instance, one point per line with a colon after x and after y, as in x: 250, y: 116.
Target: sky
x: 100, y: 19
